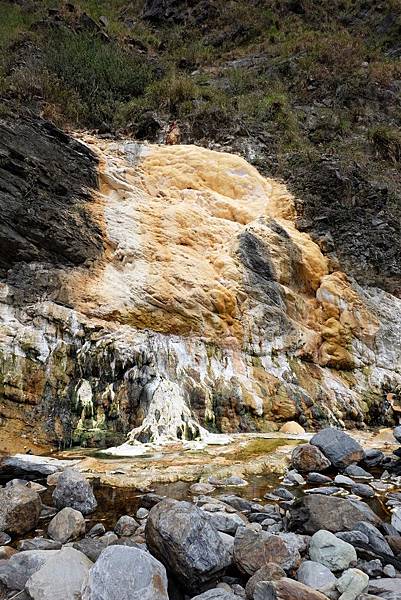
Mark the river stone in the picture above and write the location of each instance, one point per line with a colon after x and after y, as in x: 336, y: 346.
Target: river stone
x: 381, y: 586
x: 343, y: 480
x: 92, y: 548
x: 316, y: 512
x: 357, y: 472
x: 30, y: 466
x: 67, y: 525
x: 253, y: 550
x: 4, y: 538
x: 340, y: 448
x: 182, y: 536
x: 377, y: 541
x: 6, y: 552
x: 286, y: 589
x: 330, y: 551
x: 227, y: 523
x: 61, y: 577
x: 363, y: 490
x: 237, y: 502
x: 316, y: 576
x: 353, y: 537
x: 396, y: 518
x: 293, y: 428
x: 372, y: 568
x: 126, y: 526
x: 19, y: 509
x: 318, y: 478
x: 307, y: 458
x: 270, y: 572
x: 74, y: 491
x: 15, y: 572
x: 38, y: 543
x: 352, y: 583
x: 201, y: 488
x: 372, y: 458
x: 123, y: 573
x: 216, y: 594
x: 397, y: 433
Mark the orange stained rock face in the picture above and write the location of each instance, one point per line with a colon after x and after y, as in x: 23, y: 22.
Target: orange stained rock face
x: 176, y: 218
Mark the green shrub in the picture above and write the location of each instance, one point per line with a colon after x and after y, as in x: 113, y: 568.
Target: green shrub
x: 173, y: 93
x: 101, y: 74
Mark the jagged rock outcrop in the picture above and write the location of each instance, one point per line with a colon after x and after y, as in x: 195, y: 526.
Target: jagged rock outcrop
x: 182, y: 298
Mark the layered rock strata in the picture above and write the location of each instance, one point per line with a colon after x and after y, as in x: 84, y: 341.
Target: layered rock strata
x: 182, y: 298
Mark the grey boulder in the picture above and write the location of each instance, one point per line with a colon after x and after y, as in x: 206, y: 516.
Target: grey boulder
x: 254, y: 549
x: 124, y: 573
x: 74, y: 491
x: 216, y: 594
x: 16, y: 571
x: 316, y: 512
x: 308, y: 458
x: 270, y: 572
x: 61, y: 577
x: 352, y: 583
x: 126, y: 526
x: 20, y: 509
x: 67, y: 525
x: 377, y: 541
x: 330, y: 551
x: 316, y: 576
x: 181, y: 536
x: 339, y: 447
x: 226, y: 522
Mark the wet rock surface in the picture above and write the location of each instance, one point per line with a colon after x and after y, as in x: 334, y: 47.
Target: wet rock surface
x: 291, y: 543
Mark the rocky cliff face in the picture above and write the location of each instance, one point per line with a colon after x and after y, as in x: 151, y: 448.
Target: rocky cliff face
x: 166, y: 289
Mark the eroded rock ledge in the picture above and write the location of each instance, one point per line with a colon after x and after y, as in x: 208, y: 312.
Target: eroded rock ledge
x: 184, y: 293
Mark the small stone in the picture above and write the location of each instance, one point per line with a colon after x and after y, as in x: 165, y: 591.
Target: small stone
x: 373, y: 458
x: 389, y: 571
x: 97, y: 530
x: 339, y: 447
x: 281, y: 493
x: 142, y: 513
x: 292, y: 428
x: 307, y: 458
x: 353, y: 537
x: 357, y: 472
x: 38, y: 543
x: 4, y: 538
x: 397, y: 433
x: 316, y: 576
x: 201, y: 488
x: 372, y: 568
x: 227, y: 523
x: 235, y: 481
x: 363, y: 490
x: 216, y: 594
x: 324, y: 491
x: 343, y: 480
x: 67, y: 525
x: 6, y: 552
x: 318, y: 478
x: 332, y: 552
x: 270, y: 572
x: 294, y: 478
x: 352, y: 583
x: 126, y: 526
x: 382, y: 587
x: 396, y: 519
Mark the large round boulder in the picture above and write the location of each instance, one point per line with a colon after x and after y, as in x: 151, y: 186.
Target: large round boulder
x: 124, y: 573
x: 330, y: 551
x: 74, y: 491
x: 20, y: 509
x: 339, y: 447
x: 67, y: 525
x: 182, y: 537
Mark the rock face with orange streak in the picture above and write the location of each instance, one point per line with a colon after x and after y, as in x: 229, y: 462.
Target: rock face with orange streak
x: 206, y: 310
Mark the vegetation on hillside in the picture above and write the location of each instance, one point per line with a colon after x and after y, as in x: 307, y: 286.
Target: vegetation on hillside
x: 288, y: 83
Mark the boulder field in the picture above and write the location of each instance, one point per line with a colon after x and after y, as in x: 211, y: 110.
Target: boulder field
x: 296, y: 542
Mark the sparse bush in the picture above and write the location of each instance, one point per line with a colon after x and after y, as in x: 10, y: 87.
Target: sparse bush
x: 174, y: 94
x: 386, y: 142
